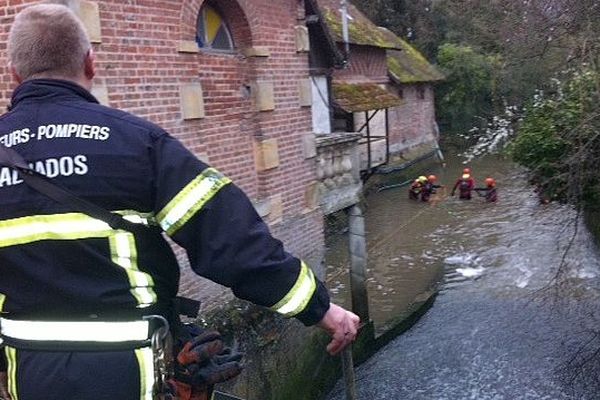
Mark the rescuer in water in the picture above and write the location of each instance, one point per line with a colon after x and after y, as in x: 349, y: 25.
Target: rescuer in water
x: 81, y: 299
x: 490, y: 192
x: 465, y: 185
x: 429, y: 188
x: 416, y: 187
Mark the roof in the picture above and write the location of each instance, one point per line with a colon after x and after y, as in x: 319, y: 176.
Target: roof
x: 408, y: 65
x: 355, y: 97
x: 362, y: 31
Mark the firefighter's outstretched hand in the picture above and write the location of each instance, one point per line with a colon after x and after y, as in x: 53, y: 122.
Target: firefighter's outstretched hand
x: 342, y: 325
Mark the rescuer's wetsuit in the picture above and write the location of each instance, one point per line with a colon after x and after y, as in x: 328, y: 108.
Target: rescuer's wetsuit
x: 59, y: 265
x: 415, y: 190
x: 490, y: 193
x: 465, y: 187
x: 427, y: 190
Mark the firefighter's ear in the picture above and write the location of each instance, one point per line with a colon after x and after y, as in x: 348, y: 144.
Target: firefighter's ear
x: 89, y: 64
x: 14, y: 74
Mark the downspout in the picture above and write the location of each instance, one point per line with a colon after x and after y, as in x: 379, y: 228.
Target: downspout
x: 368, y: 143
x: 387, y: 137
x: 345, y: 34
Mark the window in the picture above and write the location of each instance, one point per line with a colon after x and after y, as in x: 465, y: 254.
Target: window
x: 211, y: 31
x: 421, y: 92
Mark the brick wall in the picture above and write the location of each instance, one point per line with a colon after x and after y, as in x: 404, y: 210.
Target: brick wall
x: 147, y: 54
x: 365, y: 61
x: 413, y: 123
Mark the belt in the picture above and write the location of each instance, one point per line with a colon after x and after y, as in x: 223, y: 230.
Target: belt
x: 76, y: 335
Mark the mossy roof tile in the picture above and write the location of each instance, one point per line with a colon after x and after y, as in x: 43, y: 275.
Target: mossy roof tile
x: 409, y: 65
x: 355, y: 97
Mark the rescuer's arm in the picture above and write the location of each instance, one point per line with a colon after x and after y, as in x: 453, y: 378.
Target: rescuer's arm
x: 454, y: 188
x: 227, y: 242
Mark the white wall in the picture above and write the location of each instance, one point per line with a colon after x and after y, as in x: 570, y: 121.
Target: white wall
x: 320, y: 105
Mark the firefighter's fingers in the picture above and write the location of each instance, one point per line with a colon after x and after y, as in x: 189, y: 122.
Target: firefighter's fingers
x: 342, y: 325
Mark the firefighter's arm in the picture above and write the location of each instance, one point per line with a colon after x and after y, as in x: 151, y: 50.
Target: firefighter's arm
x: 481, y: 192
x: 228, y: 243
x: 226, y: 240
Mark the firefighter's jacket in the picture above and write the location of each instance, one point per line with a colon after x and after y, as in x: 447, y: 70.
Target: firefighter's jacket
x: 57, y: 262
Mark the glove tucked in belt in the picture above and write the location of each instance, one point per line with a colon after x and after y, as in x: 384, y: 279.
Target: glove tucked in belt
x: 202, y: 362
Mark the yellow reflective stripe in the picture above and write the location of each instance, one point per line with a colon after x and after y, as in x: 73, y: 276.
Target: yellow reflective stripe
x: 73, y: 226
x: 190, y: 200
x: 298, y: 297
x: 2, y: 300
x: 11, y: 358
x: 146, y: 363
x: 124, y: 253
x: 69, y: 226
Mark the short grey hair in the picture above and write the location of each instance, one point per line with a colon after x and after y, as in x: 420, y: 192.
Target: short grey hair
x: 47, y: 40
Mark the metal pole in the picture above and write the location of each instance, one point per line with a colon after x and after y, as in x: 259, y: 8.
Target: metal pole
x: 349, y: 378
x: 345, y: 34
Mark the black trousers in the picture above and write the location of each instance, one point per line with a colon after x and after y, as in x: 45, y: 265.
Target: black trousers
x: 43, y: 375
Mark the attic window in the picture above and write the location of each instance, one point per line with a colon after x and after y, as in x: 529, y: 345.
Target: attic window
x: 211, y: 30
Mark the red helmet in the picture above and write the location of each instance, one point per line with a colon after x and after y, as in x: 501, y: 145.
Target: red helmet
x: 432, y: 178
x: 467, y: 171
x: 490, y: 182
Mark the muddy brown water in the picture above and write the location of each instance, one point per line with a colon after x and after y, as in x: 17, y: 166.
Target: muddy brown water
x: 500, y: 327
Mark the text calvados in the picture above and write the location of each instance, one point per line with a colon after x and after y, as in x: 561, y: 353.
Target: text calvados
x: 51, y: 167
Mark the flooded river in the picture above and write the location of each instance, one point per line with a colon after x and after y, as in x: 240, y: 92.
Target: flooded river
x: 515, y: 318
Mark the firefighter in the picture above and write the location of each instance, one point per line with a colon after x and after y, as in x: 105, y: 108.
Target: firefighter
x: 490, y: 192
x: 465, y: 185
x: 80, y: 299
x: 429, y: 188
x: 415, y: 188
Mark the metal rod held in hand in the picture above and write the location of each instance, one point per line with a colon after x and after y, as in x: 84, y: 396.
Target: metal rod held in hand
x: 348, y: 368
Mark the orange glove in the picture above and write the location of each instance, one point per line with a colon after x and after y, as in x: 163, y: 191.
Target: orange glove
x: 203, y: 361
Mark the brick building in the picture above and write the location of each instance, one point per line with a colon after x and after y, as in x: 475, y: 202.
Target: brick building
x: 246, y: 84
x: 383, y: 88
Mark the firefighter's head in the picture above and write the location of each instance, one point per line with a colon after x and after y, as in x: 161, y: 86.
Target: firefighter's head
x: 49, y: 41
x: 490, y: 182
